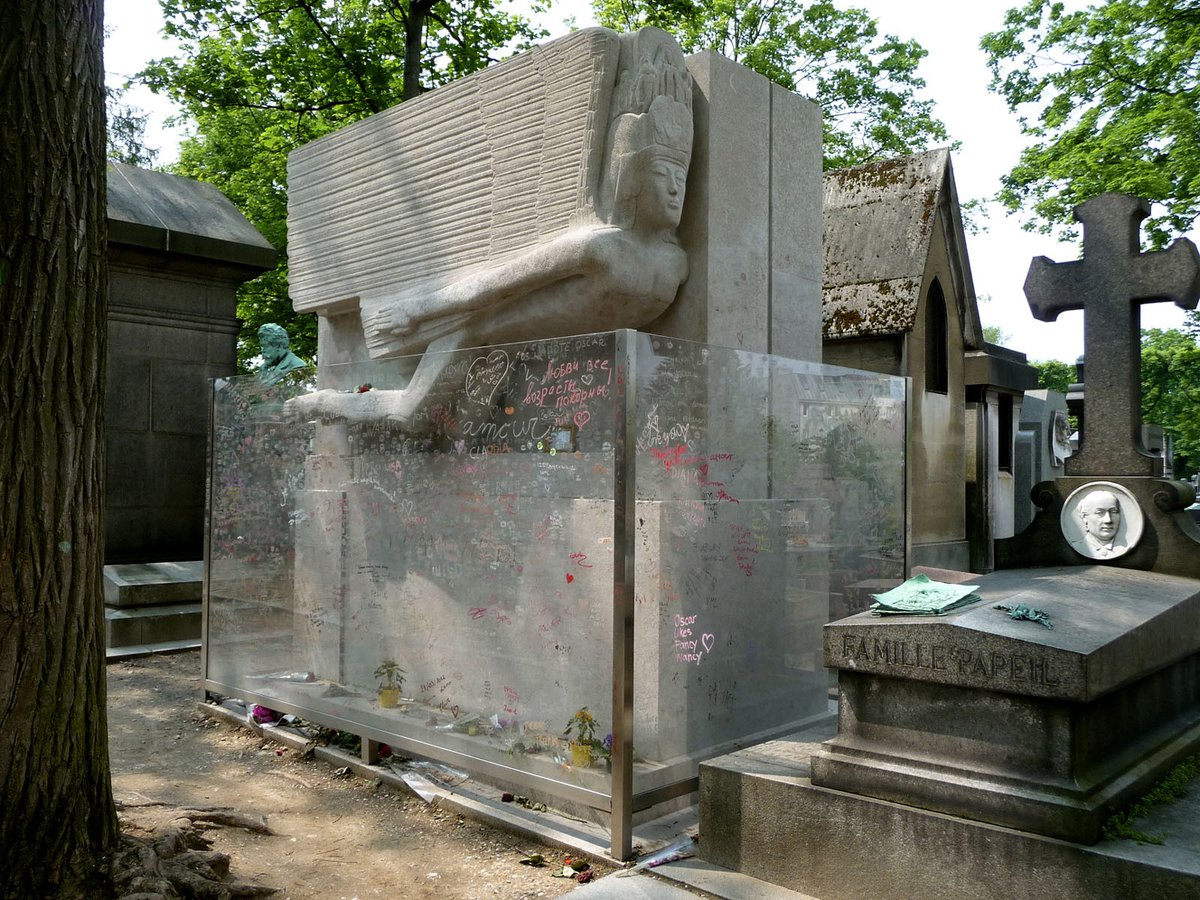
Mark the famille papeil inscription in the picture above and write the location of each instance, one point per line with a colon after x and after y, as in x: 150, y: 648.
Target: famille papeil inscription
x: 965, y: 665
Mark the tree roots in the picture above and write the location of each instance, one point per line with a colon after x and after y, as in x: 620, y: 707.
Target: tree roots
x: 164, y: 855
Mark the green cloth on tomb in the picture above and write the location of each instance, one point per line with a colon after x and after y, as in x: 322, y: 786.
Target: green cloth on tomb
x: 922, y: 596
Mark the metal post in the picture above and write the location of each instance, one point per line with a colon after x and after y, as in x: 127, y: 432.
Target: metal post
x: 210, y: 462
x: 624, y: 544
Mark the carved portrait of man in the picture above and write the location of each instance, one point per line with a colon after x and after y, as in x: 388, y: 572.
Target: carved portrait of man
x: 1101, y: 521
x: 1060, y: 437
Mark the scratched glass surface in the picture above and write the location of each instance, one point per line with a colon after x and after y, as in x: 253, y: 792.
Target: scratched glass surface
x: 471, y: 544
x: 765, y: 486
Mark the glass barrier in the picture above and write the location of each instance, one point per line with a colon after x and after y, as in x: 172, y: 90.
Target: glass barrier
x: 472, y: 552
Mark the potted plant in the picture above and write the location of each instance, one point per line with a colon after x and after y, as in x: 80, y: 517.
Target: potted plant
x: 391, y: 680
x: 581, y: 732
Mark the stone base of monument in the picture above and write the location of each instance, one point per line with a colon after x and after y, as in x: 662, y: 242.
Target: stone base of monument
x: 996, y: 736
x: 1004, y: 720
x: 761, y: 816
x: 152, y: 607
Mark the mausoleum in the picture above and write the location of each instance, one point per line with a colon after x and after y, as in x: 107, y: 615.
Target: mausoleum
x: 899, y: 299
x: 177, y: 251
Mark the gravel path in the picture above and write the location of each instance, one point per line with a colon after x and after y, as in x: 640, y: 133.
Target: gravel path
x: 336, y: 836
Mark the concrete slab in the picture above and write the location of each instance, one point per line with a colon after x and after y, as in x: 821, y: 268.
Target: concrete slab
x: 144, y: 584
x: 153, y: 624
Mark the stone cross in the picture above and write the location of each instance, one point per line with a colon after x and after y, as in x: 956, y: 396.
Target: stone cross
x: 1109, y: 284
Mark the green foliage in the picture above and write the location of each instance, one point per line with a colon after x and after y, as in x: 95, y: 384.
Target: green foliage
x: 1110, y: 96
x: 258, y: 78
x: 866, y: 85
x: 127, y: 131
x: 583, y: 726
x: 390, y: 675
x: 1171, y: 788
x: 994, y: 334
x: 1054, y: 375
x: 1171, y: 391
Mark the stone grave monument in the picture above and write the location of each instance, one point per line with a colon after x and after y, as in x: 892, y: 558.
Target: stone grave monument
x: 1041, y: 446
x: 541, y: 198
x: 1108, y: 284
x: 469, y: 514
x: 980, y: 752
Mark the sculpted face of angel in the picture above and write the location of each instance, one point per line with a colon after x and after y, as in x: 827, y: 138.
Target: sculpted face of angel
x: 660, y: 200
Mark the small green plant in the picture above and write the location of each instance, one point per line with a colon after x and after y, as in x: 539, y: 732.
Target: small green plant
x: 1171, y: 788
x: 583, y: 726
x: 390, y: 675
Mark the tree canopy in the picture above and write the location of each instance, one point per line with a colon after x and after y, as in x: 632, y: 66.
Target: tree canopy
x: 257, y: 78
x: 1171, y: 392
x: 866, y: 85
x: 1054, y: 375
x: 1110, y: 96
x: 1170, y: 389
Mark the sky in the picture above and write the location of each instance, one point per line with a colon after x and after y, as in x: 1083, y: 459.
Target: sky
x: 956, y: 78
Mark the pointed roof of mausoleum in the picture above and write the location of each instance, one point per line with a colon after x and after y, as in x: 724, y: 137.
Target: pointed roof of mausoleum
x: 881, y: 220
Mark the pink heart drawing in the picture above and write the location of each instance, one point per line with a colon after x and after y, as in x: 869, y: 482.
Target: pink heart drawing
x: 582, y: 418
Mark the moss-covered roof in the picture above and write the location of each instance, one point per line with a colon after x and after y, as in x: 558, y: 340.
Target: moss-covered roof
x: 880, y: 222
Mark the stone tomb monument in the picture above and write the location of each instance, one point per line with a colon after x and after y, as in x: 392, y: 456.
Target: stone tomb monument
x: 539, y: 199
x: 1064, y: 693
x: 574, y: 188
x: 177, y: 250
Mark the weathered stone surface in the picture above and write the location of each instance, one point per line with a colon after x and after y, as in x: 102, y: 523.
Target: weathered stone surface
x: 761, y: 815
x: 749, y: 228
x: 879, y: 224
x: 1108, y: 284
x: 166, y: 213
x: 981, y: 715
x: 146, y: 584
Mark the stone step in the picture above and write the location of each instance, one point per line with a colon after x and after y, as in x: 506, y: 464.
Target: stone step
x: 760, y: 815
x: 150, y: 584
x: 149, y: 629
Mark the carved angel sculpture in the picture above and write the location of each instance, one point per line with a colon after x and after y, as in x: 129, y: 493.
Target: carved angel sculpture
x: 619, y: 265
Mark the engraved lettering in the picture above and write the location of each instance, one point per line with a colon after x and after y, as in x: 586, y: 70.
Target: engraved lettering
x: 1020, y: 666
x: 999, y: 663
x: 964, y: 659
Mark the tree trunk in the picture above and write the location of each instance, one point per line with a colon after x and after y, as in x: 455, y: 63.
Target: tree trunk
x: 414, y: 44
x: 57, y: 818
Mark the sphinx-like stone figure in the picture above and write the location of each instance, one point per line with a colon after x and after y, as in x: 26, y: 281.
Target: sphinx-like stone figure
x: 619, y: 266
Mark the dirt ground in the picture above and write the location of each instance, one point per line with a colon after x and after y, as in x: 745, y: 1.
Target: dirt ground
x: 336, y: 836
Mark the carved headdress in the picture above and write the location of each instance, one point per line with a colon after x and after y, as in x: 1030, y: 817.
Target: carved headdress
x: 651, y: 115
